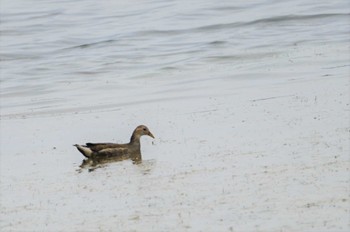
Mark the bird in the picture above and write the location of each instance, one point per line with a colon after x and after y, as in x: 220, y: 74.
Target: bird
x: 103, y: 152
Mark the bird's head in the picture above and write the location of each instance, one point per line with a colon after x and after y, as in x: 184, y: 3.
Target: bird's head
x: 143, y: 130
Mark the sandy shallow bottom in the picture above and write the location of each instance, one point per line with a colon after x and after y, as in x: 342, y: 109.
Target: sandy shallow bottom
x: 267, y: 158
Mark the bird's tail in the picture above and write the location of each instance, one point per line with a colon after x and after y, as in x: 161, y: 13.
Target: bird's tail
x: 84, y: 150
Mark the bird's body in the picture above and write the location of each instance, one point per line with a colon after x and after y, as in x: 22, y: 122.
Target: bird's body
x: 101, y: 152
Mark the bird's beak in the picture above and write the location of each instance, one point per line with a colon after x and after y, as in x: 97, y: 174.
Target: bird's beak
x: 150, y: 134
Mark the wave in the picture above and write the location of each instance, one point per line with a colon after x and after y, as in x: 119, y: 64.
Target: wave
x: 271, y: 20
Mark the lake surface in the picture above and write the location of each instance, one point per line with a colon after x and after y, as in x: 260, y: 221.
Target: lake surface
x: 241, y: 96
x: 64, y: 56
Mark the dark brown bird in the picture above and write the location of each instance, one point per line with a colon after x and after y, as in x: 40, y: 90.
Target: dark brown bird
x: 98, y: 152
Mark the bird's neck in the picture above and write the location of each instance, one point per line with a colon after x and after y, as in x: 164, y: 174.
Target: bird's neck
x: 135, y: 147
x: 135, y: 139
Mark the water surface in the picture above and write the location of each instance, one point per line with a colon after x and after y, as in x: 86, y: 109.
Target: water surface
x: 248, y: 101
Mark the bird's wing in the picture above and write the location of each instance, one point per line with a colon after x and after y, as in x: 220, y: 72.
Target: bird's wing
x: 96, y: 147
x: 117, y: 152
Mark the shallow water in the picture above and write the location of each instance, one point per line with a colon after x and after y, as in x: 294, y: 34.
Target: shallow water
x: 248, y: 102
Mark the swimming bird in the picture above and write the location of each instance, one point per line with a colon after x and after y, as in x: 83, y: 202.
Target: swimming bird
x: 99, y: 152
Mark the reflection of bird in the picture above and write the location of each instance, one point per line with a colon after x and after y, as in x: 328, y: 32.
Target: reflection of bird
x: 104, y: 151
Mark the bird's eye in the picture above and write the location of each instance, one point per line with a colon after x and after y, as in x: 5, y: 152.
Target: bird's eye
x: 144, y: 129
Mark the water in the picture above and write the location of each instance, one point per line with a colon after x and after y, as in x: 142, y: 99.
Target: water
x: 198, y: 74
x: 60, y: 56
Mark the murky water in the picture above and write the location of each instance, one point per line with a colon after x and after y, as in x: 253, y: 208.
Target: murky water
x: 247, y: 100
